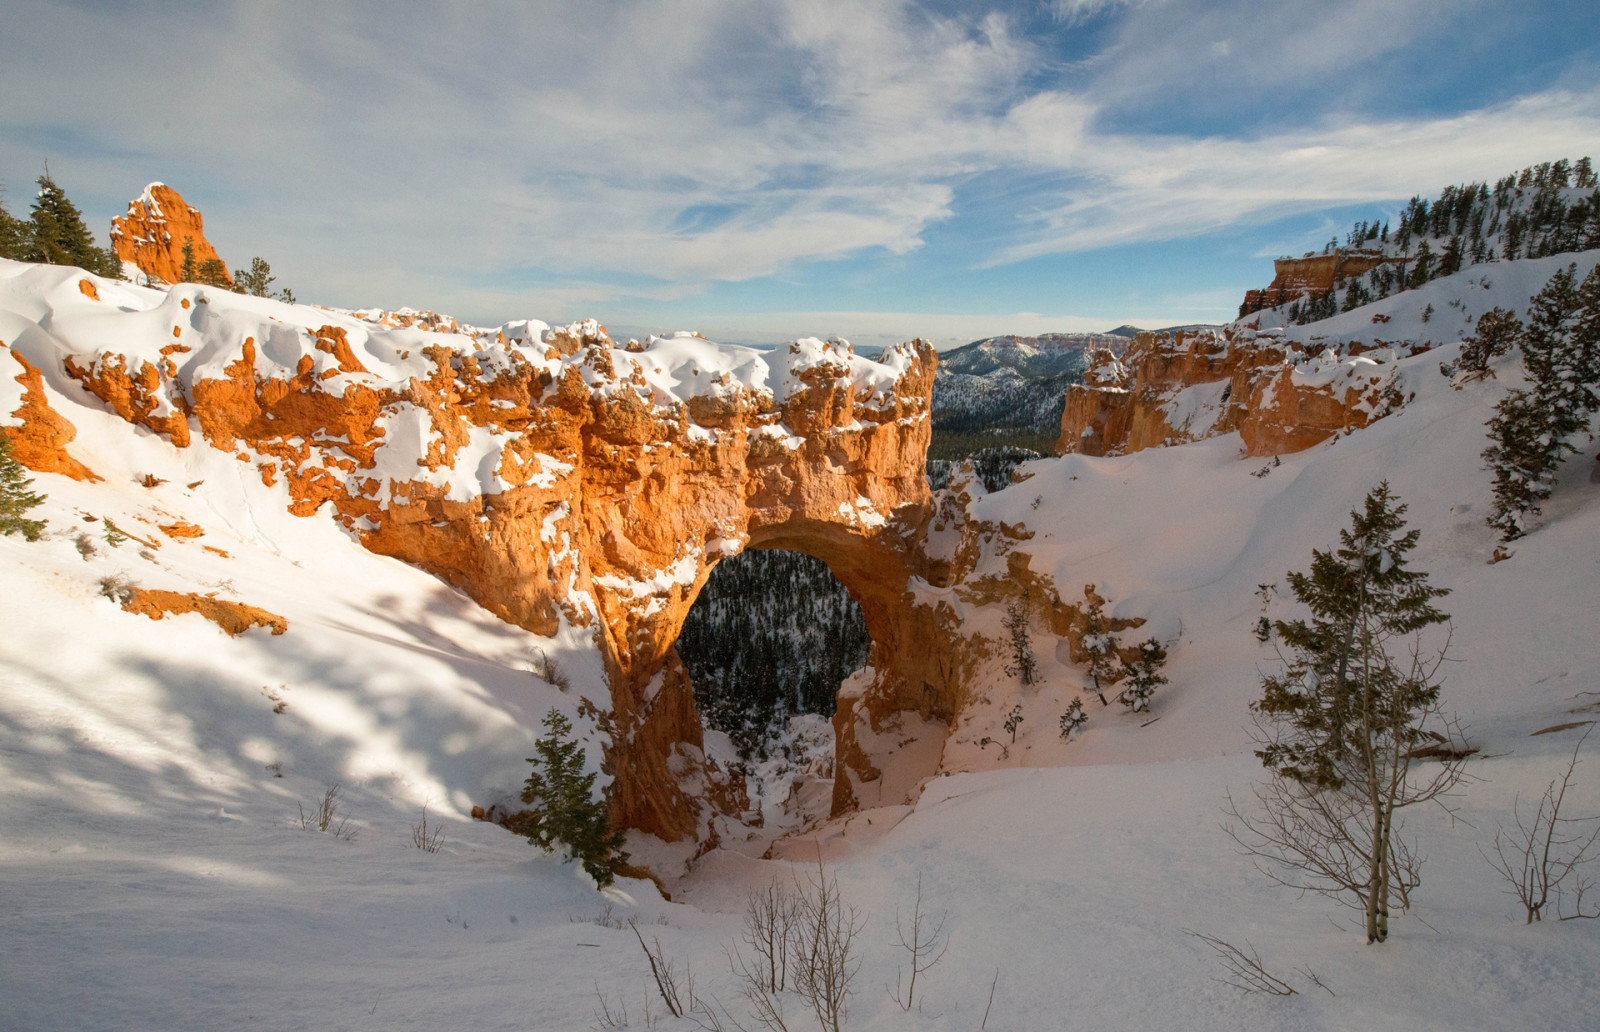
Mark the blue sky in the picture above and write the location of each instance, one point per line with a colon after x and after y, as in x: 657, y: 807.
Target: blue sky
x: 760, y: 171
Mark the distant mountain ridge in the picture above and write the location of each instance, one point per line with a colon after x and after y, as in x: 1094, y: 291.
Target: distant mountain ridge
x: 1012, y: 382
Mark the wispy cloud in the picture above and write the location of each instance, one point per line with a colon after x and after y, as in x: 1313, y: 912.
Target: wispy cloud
x: 649, y: 151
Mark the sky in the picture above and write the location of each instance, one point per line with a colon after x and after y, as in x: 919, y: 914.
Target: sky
x: 764, y: 171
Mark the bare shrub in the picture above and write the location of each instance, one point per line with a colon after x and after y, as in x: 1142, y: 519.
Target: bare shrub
x: 677, y: 995
x: 427, y: 839
x: 770, y: 920
x: 325, y: 816
x: 924, y: 940
x: 825, y: 938
x: 118, y: 587
x: 1547, y: 849
x: 85, y: 545
x: 1245, y: 971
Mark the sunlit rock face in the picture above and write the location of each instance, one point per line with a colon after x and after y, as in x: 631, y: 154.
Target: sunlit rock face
x: 1280, y: 395
x: 556, y: 477
x: 152, y: 234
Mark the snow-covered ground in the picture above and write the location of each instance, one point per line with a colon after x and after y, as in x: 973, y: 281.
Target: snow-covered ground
x: 156, y: 875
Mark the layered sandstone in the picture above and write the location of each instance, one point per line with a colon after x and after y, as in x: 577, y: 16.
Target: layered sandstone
x: 561, y: 479
x: 153, y: 233
x: 1313, y: 274
x: 1281, y: 396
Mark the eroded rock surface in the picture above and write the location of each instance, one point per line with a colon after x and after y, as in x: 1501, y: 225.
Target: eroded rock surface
x: 152, y: 234
x: 1280, y: 395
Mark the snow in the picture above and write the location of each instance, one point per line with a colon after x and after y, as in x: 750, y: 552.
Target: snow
x: 157, y: 877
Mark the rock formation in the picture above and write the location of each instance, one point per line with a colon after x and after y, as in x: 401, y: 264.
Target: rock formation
x: 1314, y: 274
x: 1282, y: 396
x: 557, y: 478
x: 152, y: 234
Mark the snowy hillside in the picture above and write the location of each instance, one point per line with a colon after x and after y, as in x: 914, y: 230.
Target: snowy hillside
x: 158, y: 875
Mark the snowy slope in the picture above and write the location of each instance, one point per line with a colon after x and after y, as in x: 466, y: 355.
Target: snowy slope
x: 156, y: 876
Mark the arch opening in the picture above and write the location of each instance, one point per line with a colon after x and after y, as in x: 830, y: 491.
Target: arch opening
x: 771, y: 636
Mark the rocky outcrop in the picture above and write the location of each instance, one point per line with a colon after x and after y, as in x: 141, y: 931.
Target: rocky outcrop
x: 233, y: 617
x: 40, y: 441
x: 561, y: 479
x: 1280, y: 395
x: 1313, y: 274
x: 153, y: 232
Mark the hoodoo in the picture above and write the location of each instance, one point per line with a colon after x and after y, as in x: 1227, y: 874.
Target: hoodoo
x: 153, y: 233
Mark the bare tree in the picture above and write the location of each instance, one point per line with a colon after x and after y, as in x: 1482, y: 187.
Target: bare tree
x: 1547, y: 849
x: 924, y: 940
x: 770, y: 917
x: 825, y: 947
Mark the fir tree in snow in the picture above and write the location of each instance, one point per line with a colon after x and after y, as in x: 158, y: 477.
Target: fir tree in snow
x: 562, y: 798
x: 57, y: 234
x: 13, y: 235
x: 1497, y: 330
x: 1073, y: 720
x: 1105, y: 663
x: 1023, y: 666
x: 189, y: 271
x: 1533, y: 430
x: 1340, y: 724
x: 1143, y: 676
x: 15, y: 498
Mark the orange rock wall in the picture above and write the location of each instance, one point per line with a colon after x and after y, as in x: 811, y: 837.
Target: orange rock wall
x: 613, y: 504
x: 1314, y: 274
x: 152, y: 234
x: 1124, y: 407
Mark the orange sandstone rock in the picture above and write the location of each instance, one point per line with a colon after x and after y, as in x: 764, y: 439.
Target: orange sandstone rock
x: 152, y: 234
x: 40, y: 443
x: 233, y: 617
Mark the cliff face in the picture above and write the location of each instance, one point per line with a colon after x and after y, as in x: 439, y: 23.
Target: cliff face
x: 555, y: 477
x: 152, y: 234
x: 1280, y: 395
x: 1314, y: 274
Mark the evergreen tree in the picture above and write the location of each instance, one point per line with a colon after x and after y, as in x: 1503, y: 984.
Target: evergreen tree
x: 1023, y: 666
x: 57, y: 234
x: 213, y: 274
x: 1339, y: 725
x: 15, y: 498
x: 1073, y: 720
x: 1422, y: 267
x: 1143, y: 676
x: 1583, y: 174
x: 188, y: 272
x: 1450, y: 261
x: 1522, y: 460
x: 1532, y: 430
x: 567, y: 814
x: 1496, y: 331
x: 13, y: 236
x: 257, y: 281
x: 1105, y: 663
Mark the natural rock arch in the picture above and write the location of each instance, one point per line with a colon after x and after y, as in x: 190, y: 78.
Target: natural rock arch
x: 558, y: 478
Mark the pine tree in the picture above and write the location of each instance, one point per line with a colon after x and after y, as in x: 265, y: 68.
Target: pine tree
x: 213, y: 274
x: 57, y: 234
x: 188, y: 272
x: 1073, y: 720
x: 257, y: 281
x: 15, y: 498
x: 1143, y: 676
x: 1522, y: 460
x: 562, y: 797
x: 1497, y: 330
x: 1422, y: 268
x: 1105, y: 664
x: 1023, y: 666
x: 1340, y: 724
x: 13, y: 236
